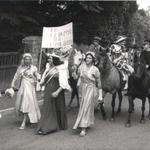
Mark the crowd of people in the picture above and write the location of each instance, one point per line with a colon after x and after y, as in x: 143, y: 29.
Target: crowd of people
x: 53, y: 115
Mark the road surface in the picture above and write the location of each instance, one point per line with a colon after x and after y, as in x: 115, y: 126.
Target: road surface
x: 103, y: 135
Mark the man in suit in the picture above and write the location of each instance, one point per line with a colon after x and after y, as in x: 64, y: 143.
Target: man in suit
x: 145, y: 55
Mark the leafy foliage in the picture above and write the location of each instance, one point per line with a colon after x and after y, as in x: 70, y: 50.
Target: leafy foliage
x: 104, y: 18
x: 140, y: 27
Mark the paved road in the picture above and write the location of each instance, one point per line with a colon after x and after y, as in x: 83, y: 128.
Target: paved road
x: 104, y: 135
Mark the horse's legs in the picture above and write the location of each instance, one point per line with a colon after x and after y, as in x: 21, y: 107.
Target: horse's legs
x: 143, y: 110
x: 132, y: 106
x: 120, y: 101
x: 72, y: 97
x: 113, y: 106
x: 128, y: 123
x: 130, y: 85
x: 103, y: 112
x: 149, y: 107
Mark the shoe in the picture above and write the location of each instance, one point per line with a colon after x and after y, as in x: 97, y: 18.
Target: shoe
x: 22, y: 128
x: 40, y: 133
x: 82, y: 133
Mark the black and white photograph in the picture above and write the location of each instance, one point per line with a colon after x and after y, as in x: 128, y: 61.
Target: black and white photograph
x: 74, y: 75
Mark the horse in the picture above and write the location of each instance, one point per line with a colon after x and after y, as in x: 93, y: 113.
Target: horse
x: 110, y: 80
x: 75, y: 59
x: 138, y: 87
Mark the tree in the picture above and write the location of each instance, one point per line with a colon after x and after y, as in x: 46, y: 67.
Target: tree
x: 140, y: 27
x: 22, y: 18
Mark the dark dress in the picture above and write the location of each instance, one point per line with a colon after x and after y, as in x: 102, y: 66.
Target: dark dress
x: 145, y: 56
x: 53, y: 115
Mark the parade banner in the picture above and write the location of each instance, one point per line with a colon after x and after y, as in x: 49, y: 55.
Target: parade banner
x: 56, y: 37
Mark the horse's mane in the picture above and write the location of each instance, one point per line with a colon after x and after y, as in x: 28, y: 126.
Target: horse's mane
x: 107, y: 64
x: 103, y: 53
x: 139, y: 81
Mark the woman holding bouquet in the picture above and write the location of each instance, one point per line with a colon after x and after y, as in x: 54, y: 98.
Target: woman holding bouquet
x: 25, y: 82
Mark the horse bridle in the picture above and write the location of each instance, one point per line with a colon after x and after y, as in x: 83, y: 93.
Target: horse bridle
x: 80, y: 62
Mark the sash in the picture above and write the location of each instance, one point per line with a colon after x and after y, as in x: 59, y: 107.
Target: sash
x: 18, y: 80
x: 50, y: 74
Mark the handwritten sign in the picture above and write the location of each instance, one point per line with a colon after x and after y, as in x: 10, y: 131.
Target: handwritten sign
x: 56, y: 37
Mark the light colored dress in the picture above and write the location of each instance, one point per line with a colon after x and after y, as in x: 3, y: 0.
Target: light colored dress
x: 89, y: 94
x: 121, y: 62
x: 26, y: 100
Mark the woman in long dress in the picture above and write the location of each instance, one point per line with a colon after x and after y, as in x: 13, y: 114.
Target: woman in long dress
x: 25, y: 81
x: 89, y: 77
x: 54, y: 110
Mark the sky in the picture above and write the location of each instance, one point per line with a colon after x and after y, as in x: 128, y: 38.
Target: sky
x: 143, y: 4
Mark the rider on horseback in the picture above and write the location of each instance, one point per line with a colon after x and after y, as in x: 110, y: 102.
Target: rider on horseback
x: 119, y: 58
x: 145, y: 55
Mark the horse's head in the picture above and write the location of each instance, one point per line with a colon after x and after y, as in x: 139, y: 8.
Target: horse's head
x: 78, y: 58
x: 139, y: 69
x: 75, y: 59
x: 102, y: 61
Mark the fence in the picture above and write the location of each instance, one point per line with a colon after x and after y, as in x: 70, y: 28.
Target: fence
x: 8, y: 65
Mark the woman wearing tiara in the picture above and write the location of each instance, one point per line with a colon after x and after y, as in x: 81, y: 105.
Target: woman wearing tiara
x: 89, y: 77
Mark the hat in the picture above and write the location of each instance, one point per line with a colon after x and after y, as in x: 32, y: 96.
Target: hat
x: 54, y: 55
x: 97, y: 38
x: 65, y: 51
x: 146, y: 42
x: 120, y: 39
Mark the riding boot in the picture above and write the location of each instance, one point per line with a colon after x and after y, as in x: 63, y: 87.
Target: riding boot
x: 130, y: 85
x: 123, y: 82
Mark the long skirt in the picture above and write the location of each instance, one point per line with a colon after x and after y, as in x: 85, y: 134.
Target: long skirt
x: 85, y: 116
x: 26, y: 101
x: 53, y: 115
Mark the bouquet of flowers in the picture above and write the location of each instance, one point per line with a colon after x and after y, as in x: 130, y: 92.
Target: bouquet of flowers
x: 10, y: 92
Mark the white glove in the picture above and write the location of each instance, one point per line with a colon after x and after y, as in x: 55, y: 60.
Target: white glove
x: 100, y: 96
x: 147, y: 66
x: 74, y: 75
x: 79, y: 82
x: 39, y: 77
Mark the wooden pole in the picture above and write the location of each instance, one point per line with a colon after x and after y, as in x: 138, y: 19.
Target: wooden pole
x: 40, y: 60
